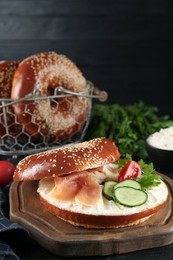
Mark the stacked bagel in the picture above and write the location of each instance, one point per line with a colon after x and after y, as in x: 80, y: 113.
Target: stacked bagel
x: 42, y: 73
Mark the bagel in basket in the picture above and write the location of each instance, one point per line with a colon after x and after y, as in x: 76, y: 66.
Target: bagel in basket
x: 8, y: 124
x: 71, y: 180
x: 46, y: 118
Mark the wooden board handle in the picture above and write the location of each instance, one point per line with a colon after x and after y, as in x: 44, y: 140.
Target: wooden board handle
x: 103, y: 95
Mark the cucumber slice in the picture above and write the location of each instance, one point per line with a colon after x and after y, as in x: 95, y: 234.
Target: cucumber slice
x: 129, y: 196
x: 128, y: 183
x: 107, y: 189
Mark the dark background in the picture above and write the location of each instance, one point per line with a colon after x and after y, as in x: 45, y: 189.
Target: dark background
x: 124, y: 46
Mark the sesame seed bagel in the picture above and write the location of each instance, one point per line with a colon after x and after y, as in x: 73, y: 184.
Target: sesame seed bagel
x: 69, y: 185
x: 67, y: 159
x: 58, y: 119
x: 7, y: 69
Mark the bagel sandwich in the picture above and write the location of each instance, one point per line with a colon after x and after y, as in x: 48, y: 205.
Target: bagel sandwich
x: 75, y: 180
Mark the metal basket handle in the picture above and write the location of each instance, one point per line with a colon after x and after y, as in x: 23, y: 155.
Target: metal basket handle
x: 100, y: 94
x: 97, y: 93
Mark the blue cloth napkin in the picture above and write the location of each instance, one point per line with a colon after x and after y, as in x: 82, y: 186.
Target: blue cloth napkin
x: 9, y: 231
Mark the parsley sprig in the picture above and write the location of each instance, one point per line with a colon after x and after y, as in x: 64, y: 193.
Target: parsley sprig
x: 148, y: 180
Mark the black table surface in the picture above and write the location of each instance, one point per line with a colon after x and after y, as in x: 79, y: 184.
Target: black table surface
x: 36, y: 252
x: 30, y: 249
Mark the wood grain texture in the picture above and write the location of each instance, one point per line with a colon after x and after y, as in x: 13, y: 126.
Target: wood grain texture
x: 123, y: 46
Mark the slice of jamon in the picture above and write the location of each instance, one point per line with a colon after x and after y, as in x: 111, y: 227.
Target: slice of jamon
x: 80, y: 187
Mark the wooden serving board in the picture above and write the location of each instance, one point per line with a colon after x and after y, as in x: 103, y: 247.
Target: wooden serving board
x: 63, y: 239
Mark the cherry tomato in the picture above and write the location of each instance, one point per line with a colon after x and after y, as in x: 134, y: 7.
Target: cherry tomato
x: 6, y: 172
x: 131, y: 170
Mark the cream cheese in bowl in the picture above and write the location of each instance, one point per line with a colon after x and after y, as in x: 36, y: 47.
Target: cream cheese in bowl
x: 159, y: 146
x: 162, y: 139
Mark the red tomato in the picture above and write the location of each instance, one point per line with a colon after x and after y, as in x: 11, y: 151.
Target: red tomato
x: 6, y: 172
x: 131, y: 170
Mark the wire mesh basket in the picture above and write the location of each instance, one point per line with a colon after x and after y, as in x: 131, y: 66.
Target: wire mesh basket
x: 15, y: 140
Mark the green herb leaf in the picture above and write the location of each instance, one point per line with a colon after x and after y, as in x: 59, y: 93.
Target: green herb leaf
x: 146, y: 168
x: 122, y: 162
x: 148, y: 180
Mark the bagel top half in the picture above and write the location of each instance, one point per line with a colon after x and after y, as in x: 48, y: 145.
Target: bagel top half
x: 67, y: 159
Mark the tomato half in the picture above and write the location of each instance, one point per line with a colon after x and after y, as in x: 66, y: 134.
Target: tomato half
x: 131, y: 170
x: 6, y: 172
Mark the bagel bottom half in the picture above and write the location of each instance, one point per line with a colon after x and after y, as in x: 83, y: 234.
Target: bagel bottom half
x: 106, y: 214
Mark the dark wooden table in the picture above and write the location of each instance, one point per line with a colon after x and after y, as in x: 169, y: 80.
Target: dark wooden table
x: 35, y: 252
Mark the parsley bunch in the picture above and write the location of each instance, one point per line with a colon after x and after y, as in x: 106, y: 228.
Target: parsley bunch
x: 127, y: 126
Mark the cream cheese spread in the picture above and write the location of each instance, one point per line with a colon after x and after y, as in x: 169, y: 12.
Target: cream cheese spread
x: 162, y: 139
x: 156, y: 195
